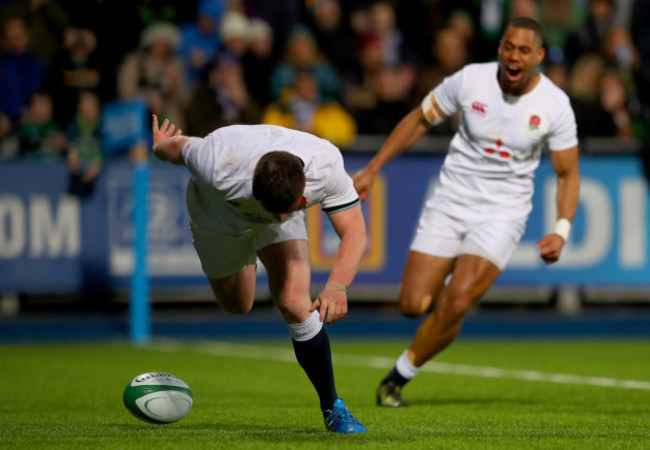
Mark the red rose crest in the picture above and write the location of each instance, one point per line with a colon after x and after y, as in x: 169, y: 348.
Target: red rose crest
x: 534, y: 122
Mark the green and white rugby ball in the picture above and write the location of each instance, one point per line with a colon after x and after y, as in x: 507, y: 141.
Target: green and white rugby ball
x: 158, y: 397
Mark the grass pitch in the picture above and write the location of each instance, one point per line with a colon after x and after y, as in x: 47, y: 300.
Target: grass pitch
x: 483, y: 395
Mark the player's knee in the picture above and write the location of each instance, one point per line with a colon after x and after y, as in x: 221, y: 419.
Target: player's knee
x: 408, y: 310
x: 291, y: 315
x: 238, y: 308
x: 294, y: 306
x: 414, y: 306
x: 235, y: 304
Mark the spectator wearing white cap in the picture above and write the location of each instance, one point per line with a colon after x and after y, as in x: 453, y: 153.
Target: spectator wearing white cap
x: 234, y: 32
x: 154, y: 72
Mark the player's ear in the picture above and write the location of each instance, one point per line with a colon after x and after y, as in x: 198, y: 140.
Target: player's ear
x: 541, y: 53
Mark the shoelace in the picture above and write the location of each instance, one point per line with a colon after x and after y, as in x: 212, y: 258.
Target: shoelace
x: 343, y: 414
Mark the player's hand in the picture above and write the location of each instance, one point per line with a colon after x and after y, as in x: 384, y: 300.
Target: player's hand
x: 333, y: 305
x: 166, y: 130
x: 550, y: 247
x: 363, y: 181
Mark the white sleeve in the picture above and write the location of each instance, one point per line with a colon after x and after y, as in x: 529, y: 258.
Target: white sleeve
x: 199, y: 158
x: 563, y: 132
x: 340, y: 193
x: 447, y: 93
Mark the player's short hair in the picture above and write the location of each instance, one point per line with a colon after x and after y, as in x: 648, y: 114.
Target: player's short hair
x: 279, y: 181
x: 528, y: 24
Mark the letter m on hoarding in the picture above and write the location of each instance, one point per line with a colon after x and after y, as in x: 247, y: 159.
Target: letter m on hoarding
x: 54, y: 234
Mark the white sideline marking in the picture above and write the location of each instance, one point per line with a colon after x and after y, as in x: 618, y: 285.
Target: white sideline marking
x: 260, y: 352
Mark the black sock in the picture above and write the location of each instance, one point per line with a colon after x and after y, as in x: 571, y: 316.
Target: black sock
x: 395, y: 377
x: 315, y: 357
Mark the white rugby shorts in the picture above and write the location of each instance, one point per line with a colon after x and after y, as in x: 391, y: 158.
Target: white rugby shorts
x: 451, y: 225
x: 223, y: 252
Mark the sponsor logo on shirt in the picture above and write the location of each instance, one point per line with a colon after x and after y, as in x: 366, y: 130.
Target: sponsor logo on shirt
x: 479, y: 108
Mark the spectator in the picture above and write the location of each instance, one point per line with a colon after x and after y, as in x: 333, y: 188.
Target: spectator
x: 155, y: 73
x: 489, y: 24
x: 558, y: 19
x: 584, y: 76
x: 462, y: 23
x: 9, y: 146
x: 77, y: 67
x: 390, y: 105
x: 449, y: 53
x: 620, y: 52
x: 614, y: 101
x: 618, y: 49
x: 303, y: 109
x: 335, y: 38
x: 360, y: 94
x: 221, y: 98
x: 641, y: 38
x: 383, y: 23
x: 258, y: 61
x: 40, y: 137
x: 85, y: 145
x: 281, y: 15
x: 101, y: 17
x: 524, y: 8
x: 234, y: 32
x: 200, y: 39
x: 46, y: 20
x: 598, y: 113
x: 302, y: 53
x: 590, y: 36
x: 21, y: 72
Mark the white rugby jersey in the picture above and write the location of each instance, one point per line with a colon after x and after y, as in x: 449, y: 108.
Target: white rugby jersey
x: 500, y: 136
x: 222, y: 166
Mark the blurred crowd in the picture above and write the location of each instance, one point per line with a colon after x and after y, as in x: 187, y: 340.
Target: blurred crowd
x: 333, y: 68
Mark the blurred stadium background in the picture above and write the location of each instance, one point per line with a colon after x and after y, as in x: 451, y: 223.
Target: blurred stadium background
x: 78, y: 82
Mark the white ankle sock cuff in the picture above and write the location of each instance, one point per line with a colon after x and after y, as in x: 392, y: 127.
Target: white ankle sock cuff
x: 405, y: 368
x: 308, y: 329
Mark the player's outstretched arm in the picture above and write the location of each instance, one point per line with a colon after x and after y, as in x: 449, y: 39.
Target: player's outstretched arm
x: 351, y: 228
x: 405, y: 133
x: 565, y: 164
x: 168, y: 142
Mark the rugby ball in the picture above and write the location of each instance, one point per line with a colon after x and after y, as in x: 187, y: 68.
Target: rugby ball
x: 158, y: 397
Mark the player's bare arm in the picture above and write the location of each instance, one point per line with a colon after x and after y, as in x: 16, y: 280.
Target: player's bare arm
x: 566, y: 166
x: 168, y: 142
x: 350, y: 227
x: 407, y: 131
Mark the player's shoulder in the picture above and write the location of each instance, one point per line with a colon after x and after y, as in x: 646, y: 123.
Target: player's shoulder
x: 475, y: 75
x: 260, y: 139
x: 234, y: 131
x: 551, y: 92
x: 261, y: 131
x: 481, y: 68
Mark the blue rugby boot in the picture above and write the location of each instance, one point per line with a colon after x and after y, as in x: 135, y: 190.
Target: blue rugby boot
x: 339, y: 419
